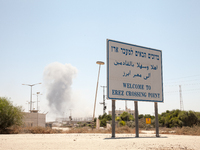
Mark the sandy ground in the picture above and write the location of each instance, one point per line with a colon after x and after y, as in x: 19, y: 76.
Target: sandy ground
x: 61, y: 128
x: 97, y: 141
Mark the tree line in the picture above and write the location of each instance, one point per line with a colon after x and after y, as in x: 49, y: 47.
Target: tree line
x: 11, y: 115
x: 169, y: 119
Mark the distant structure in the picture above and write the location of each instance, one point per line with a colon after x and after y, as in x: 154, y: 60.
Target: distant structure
x: 34, y: 119
x: 119, y: 112
x: 70, y: 122
x: 181, y: 100
x: 83, y: 119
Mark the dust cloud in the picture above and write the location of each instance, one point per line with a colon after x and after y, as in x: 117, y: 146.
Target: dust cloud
x: 58, y: 79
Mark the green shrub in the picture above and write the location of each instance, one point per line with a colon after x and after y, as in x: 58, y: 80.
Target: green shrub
x: 103, y: 119
x: 140, y: 116
x: 178, y: 118
x: 89, y: 125
x: 125, y: 116
x: 117, y: 118
x: 122, y: 123
x: 9, y: 115
x: 103, y: 122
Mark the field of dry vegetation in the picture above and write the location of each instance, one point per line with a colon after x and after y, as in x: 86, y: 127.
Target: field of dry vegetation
x: 42, y: 130
x: 195, y: 130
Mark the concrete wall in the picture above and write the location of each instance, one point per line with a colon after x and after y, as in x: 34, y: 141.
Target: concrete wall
x: 34, y: 119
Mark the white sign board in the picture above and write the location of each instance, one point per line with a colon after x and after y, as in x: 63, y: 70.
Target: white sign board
x: 134, y: 72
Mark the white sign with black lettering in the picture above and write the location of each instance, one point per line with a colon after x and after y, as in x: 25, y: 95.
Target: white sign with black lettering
x: 134, y: 72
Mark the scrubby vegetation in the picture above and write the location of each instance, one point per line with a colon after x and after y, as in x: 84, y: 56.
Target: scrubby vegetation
x: 123, y: 119
x: 173, y: 122
x: 125, y: 116
x: 174, y: 118
x: 9, y: 115
x: 33, y: 130
x: 178, y: 118
x: 194, y: 130
x: 43, y: 130
x: 103, y: 119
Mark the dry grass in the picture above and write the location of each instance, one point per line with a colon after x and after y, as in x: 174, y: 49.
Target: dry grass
x: 195, y: 130
x: 33, y: 130
x: 124, y: 129
x: 85, y: 130
x: 42, y: 130
x: 166, y: 130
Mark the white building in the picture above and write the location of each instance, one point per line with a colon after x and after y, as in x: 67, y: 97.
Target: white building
x: 34, y: 119
x: 119, y: 112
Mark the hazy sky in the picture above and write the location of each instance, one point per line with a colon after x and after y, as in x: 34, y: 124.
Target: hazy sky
x: 34, y: 34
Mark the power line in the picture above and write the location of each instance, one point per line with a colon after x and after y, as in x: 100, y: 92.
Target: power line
x: 183, y: 91
x: 184, y: 77
x: 185, y: 81
x: 183, y: 84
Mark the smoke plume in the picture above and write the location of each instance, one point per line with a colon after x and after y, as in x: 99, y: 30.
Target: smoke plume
x: 58, y: 79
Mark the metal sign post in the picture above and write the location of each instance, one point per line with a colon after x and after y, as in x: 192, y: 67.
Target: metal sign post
x: 113, y: 118
x: 156, y: 119
x: 136, y: 119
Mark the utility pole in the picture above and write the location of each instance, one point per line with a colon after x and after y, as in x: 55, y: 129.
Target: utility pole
x: 99, y: 63
x: 31, y: 85
x: 38, y: 93
x: 104, y: 97
x: 181, y: 100
x: 33, y: 104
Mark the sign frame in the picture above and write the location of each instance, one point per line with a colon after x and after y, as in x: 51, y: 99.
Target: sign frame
x: 108, y: 72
